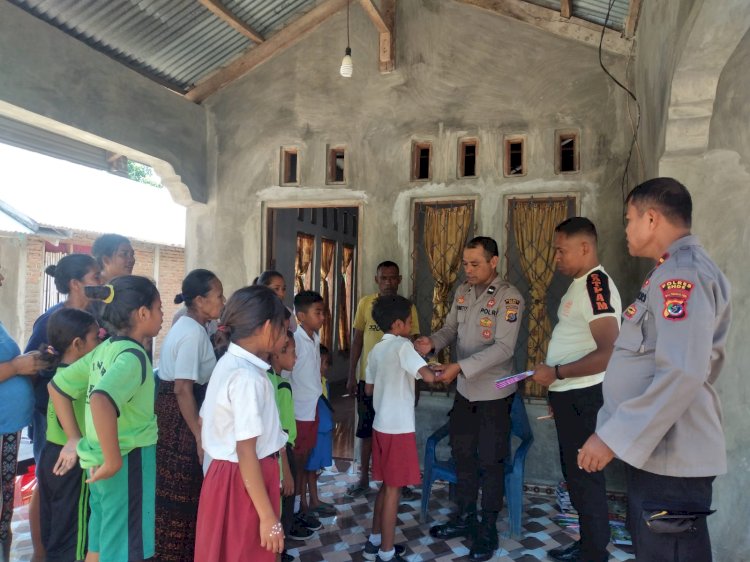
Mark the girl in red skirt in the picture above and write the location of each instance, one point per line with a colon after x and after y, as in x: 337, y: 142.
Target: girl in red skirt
x: 238, y: 512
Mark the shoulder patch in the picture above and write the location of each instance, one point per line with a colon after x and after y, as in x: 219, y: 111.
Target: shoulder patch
x: 597, y: 285
x: 676, y: 293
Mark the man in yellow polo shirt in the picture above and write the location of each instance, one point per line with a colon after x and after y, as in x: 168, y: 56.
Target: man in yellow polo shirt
x: 366, y: 335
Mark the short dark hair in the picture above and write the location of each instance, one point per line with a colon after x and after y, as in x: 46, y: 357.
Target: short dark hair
x: 64, y: 326
x: 72, y: 266
x: 196, y: 284
x: 666, y: 195
x: 577, y: 225
x: 305, y: 299
x: 106, y: 245
x: 387, y: 263
x: 267, y: 277
x: 127, y: 293
x: 486, y: 243
x: 387, y: 309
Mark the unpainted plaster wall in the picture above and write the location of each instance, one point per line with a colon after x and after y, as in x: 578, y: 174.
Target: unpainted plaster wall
x: 54, y: 81
x: 12, y: 267
x: 460, y: 72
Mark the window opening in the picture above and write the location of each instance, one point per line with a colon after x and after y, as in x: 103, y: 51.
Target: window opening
x: 468, y: 158
x: 515, y: 157
x: 567, y: 157
x: 421, y: 160
x: 337, y: 165
x: 289, y: 166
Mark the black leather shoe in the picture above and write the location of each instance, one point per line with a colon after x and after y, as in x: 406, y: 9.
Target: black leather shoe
x: 485, y: 544
x: 570, y: 553
x: 457, y: 526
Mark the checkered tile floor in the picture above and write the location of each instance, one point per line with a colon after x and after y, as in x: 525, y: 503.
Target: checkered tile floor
x: 342, y: 537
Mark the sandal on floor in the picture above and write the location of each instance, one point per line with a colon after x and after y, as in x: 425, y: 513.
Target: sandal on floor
x: 357, y: 490
x: 324, y: 510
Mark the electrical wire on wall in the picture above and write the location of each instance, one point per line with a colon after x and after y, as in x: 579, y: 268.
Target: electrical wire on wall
x: 634, y: 141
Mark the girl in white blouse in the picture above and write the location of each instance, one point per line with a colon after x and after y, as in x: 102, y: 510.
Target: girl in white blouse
x: 238, y: 513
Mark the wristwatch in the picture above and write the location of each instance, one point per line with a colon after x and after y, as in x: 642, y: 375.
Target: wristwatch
x: 558, y: 376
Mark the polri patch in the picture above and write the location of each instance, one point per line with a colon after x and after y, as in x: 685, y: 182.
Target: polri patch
x: 461, y: 300
x: 676, y: 293
x: 491, y: 303
x: 597, y: 285
x: 486, y: 334
x: 630, y: 311
x: 511, y: 313
x: 485, y: 322
x: 512, y: 301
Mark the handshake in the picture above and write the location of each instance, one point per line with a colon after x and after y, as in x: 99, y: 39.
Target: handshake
x: 443, y: 373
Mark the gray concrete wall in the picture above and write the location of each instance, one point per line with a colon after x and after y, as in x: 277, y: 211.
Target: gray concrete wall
x: 54, y: 81
x: 12, y: 293
x: 447, y: 84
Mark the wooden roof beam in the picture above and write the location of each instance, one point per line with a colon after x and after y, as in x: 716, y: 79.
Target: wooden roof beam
x: 550, y: 21
x: 385, y: 24
x: 631, y: 21
x: 255, y: 56
x: 222, y: 12
x: 566, y: 9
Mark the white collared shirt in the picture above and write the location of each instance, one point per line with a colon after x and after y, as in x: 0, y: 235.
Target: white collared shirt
x: 305, y: 379
x: 392, y: 367
x: 187, y: 352
x: 240, y: 405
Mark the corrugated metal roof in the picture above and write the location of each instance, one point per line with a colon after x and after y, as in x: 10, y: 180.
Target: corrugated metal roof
x: 175, y: 42
x: 594, y: 10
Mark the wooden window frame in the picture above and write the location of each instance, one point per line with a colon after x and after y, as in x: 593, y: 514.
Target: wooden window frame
x: 416, y: 149
x: 331, y: 152
x: 462, y: 144
x: 560, y: 136
x: 286, y: 152
x: 509, y: 140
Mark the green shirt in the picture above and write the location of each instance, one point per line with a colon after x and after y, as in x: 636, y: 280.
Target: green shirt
x: 285, y: 404
x: 55, y: 432
x: 120, y: 370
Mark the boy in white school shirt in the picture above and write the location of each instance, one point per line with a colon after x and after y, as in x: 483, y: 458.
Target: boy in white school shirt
x: 392, y: 366
x: 306, y: 390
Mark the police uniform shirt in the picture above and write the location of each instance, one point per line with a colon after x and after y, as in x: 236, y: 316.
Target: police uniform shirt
x: 661, y: 412
x: 485, y: 329
x: 589, y: 297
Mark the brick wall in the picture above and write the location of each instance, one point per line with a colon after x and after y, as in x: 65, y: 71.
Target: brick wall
x: 167, y: 271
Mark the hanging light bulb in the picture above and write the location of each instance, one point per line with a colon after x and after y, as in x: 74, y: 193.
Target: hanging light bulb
x: 346, y: 63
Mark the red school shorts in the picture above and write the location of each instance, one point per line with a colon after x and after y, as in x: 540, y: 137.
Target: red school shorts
x: 394, y: 458
x: 307, y: 435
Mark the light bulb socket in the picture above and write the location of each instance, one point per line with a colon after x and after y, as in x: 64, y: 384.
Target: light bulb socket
x: 348, y: 51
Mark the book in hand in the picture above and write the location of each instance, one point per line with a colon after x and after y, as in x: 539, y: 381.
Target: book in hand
x: 512, y: 379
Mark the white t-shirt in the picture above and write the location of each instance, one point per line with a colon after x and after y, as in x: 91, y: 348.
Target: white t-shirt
x: 240, y: 405
x: 392, y: 366
x: 305, y: 379
x: 187, y: 353
x: 589, y: 297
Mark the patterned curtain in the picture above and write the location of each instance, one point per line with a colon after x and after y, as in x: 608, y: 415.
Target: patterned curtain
x: 445, y: 233
x: 345, y: 297
x: 327, y: 252
x: 305, y: 246
x: 534, y: 227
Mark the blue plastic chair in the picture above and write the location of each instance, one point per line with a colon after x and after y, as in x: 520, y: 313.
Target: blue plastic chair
x: 435, y: 469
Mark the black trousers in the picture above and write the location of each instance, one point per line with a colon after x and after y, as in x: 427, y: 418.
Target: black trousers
x: 575, y: 419
x: 287, y: 502
x: 479, y: 434
x: 654, y: 492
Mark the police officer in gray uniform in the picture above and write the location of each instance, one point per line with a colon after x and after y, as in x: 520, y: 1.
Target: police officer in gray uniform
x: 661, y: 412
x: 483, y: 321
